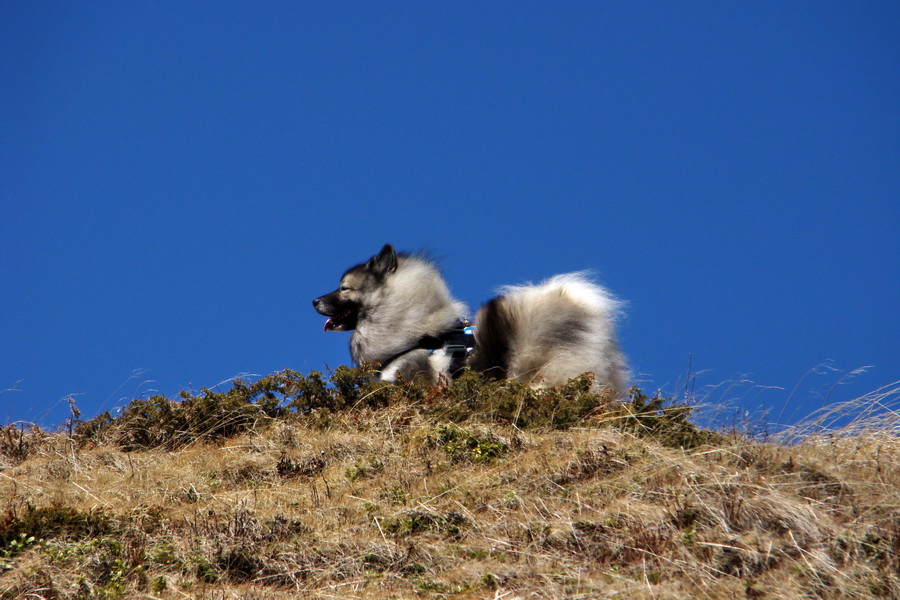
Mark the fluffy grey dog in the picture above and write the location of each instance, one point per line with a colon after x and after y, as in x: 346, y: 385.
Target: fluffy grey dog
x: 404, y: 319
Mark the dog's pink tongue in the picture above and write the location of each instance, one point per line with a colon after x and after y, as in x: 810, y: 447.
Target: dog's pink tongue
x: 327, y: 324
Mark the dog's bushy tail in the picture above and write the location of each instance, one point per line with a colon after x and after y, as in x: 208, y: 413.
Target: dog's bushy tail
x: 549, y: 333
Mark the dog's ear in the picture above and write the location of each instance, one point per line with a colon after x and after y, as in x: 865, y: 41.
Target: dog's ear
x: 385, y: 262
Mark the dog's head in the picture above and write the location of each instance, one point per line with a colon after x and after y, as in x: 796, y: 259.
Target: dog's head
x: 346, y: 305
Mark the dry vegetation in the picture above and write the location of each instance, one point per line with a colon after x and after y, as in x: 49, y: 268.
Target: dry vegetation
x: 294, y: 487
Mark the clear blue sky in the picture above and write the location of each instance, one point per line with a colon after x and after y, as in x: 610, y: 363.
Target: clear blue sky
x: 179, y: 180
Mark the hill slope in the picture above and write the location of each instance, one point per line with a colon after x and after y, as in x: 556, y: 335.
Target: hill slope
x: 293, y: 487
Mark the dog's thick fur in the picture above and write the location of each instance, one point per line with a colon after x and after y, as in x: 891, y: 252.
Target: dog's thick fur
x: 543, y: 334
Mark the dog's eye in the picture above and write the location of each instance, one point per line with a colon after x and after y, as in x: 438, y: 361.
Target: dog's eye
x: 345, y: 288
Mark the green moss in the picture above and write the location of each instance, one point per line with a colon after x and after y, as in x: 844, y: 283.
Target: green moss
x: 415, y: 522
x: 52, y: 521
x: 466, y: 445
x: 366, y: 468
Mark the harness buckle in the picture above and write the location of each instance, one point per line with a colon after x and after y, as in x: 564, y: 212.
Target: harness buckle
x: 457, y: 349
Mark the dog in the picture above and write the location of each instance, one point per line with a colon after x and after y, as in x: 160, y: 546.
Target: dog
x: 404, y: 320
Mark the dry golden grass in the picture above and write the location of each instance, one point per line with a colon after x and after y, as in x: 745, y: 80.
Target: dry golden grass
x: 395, y: 502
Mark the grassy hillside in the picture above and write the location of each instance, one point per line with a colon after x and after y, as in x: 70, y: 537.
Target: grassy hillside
x: 300, y: 487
